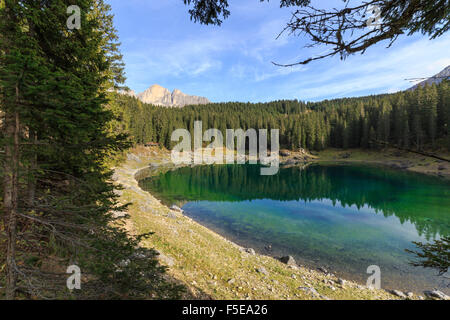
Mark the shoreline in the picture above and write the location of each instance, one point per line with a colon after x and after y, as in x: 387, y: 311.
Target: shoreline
x: 392, y: 158
x: 325, y: 285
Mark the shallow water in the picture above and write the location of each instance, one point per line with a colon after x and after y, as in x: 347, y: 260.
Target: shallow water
x: 341, y: 217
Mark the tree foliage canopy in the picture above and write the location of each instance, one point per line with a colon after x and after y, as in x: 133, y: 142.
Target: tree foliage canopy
x: 414, y: 119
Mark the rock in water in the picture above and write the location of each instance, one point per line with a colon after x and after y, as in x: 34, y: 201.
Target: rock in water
x: 289, y: 260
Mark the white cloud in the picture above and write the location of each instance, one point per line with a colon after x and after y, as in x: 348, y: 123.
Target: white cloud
x: 233, y: 62
x: 382, y: 69
x: 188, y: 57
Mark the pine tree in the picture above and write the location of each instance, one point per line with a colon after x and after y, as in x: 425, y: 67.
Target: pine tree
x: 54, y: 83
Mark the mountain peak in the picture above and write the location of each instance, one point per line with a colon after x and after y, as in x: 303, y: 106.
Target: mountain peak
x: 437, y: 78
x: 160, y: 96
x: 177, y: 91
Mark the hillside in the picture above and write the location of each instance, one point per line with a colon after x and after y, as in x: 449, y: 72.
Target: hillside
x: 436, y: 79
x: 415, y: 119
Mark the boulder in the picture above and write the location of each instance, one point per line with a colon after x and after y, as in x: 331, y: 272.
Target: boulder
x: 285, y: 153
x: 321, y: 269
x: 290, y: 162
x: 262, y: 270
x: 171, y: 215
x: 309, y: 290
x: 134, y: 157
x: 397, y: 293
x: 436, y: 295
x: 166, y: 260
x: 289, y: 260
x: 250, y: 251
x: 176, y: 208
x: 119, y: 214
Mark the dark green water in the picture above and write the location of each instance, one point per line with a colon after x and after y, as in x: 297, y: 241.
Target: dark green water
x: 342, y: 217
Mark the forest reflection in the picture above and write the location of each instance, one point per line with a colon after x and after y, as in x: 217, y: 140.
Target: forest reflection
x: 421, y: 200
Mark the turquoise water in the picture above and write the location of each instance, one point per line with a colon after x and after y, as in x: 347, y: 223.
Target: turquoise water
x: 341, y: 217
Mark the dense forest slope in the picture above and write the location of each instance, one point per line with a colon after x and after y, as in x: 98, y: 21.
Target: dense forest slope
x: 412, y: 119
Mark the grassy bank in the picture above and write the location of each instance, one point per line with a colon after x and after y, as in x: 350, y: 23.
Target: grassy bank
x: 210, y: 265
x: 391, y: 157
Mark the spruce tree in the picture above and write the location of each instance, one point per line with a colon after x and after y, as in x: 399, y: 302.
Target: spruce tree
x: 54, y: 83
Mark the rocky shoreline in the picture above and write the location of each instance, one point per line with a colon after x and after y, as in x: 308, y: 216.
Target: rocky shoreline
x: 312, y: 284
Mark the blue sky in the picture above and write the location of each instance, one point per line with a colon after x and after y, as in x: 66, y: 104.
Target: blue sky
x: 233, y: 62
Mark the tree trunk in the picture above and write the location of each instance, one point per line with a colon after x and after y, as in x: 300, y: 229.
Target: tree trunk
x: 11, y: 168
x: 32, y: 170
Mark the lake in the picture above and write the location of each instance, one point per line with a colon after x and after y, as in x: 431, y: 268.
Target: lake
x: 338, y: 216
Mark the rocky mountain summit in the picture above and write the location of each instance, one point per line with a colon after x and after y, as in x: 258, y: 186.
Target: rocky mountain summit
x: 437, y: 78
x: 160, y: 96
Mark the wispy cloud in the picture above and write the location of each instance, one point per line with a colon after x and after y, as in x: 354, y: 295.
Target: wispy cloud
x: 383, y: 70
x: 233, y: 62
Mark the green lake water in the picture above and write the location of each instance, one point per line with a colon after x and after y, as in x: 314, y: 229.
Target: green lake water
x: 341, y: 217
